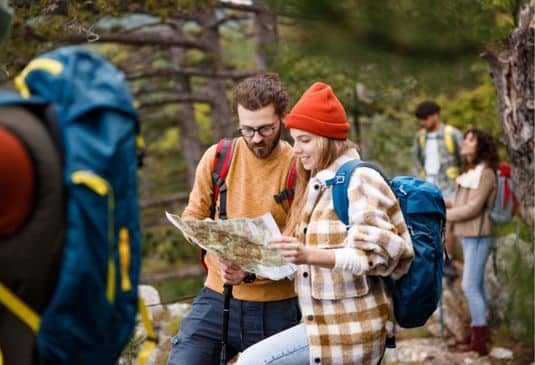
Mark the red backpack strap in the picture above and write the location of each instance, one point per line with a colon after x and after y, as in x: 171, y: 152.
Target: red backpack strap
x: 222, y: 160
x: 220, y: 166
x: 288, y: 192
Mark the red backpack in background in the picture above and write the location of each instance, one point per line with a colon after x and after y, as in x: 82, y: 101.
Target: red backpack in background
x: 505, y: 204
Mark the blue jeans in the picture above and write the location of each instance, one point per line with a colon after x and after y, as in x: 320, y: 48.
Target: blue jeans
x: 476, y: 251
x: 289, y: 347
x: 198, y: 341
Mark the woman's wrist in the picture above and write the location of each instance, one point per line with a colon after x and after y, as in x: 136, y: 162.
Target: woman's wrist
x: 320, y: 257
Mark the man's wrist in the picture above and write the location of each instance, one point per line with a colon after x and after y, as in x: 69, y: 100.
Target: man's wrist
x: 249, y: 278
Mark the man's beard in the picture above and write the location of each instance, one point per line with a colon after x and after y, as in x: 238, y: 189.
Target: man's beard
x: 263, y: 150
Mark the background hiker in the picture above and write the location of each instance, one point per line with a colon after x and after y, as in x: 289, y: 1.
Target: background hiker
x: 474, y: 196
x: 436, y: 150
x: 258, y: 171
x: 81, y: 199
x: 338, y: 278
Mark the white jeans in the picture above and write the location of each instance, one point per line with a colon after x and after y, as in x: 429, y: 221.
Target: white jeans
x: 289, y: 347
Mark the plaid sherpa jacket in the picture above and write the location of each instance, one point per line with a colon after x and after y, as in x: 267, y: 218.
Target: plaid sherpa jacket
x: 346, y: 315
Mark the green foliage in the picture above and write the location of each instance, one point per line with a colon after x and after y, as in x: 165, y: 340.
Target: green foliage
x: 171, y: 291
x: 299, y: 72
x: 473, y: 108
x: 168, y: 142
x: 170, y: 247
x: 202, y: 116
x: 412, y: 28
x: 235, y: 34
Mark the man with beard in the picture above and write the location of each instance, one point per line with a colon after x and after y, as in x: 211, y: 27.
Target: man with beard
x: 258, y: 171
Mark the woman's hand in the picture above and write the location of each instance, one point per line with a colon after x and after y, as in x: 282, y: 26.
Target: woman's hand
x: 291, y: 250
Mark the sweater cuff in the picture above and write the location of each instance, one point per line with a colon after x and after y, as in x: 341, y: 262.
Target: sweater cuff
x: 348, y: 259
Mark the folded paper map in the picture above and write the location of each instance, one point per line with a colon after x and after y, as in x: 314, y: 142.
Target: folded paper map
x: 244, y: 240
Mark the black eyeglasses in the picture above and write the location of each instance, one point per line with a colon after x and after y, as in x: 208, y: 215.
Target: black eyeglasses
x: 264, y: 131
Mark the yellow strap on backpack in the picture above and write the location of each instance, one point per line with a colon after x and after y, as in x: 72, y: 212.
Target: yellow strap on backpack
x: 152, y: 338
x: 1, y: 358
x: 49, y: 65
x: 448, y: 139
x: 421, y: 139
x: 20, y: 309
x: 124, y: 258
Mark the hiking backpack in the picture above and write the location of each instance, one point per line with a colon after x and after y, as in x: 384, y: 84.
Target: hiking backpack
x: 505, y: 203
x: 221, y: 165
x: 417, y: 293
x: 86, y: 107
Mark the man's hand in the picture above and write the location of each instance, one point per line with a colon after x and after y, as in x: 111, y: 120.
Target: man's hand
x: 231, y: 273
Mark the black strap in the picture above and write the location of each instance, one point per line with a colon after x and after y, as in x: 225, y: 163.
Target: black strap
x: 283, y: 195
x: 223, y: 201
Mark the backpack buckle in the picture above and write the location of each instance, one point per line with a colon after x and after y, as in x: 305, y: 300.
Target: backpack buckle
x: 339, y: 179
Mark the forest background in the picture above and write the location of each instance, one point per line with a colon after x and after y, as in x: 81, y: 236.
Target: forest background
x: 182, y: 58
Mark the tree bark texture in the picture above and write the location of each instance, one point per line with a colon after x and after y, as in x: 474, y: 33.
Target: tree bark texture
x: 513, y: 73
x: 266, y: 37
x: 189, y: 132
x: 220, y: 112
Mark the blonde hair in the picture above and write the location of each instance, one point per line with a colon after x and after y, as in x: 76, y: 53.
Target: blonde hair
x: 330, y: 149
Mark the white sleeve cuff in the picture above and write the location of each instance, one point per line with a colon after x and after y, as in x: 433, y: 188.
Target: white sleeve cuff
x: 347, y: 259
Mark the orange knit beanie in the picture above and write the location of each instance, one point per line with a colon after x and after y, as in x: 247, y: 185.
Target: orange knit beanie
x: 320, y: 112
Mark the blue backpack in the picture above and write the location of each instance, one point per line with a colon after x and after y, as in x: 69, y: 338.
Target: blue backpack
x: 87, y: 108
x: 417, y: 293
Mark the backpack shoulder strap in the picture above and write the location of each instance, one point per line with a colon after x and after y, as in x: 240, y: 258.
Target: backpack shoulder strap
x: 421, y: 145
x: 220, y: 166
x: 451, y: 143
x: 20, y: 309
x: 449, y: 140
x: 340, y: 183
x: 222, y: 160
x: 288, y: 192
x: 290, y: 182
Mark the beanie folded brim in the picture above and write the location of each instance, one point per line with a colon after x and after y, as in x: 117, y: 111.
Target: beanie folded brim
x: 316, y: 126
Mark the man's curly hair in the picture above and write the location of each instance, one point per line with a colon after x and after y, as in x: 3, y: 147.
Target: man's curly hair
x: 258, y: 91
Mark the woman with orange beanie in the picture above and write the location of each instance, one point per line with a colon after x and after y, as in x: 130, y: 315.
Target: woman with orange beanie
x: 346, y: 308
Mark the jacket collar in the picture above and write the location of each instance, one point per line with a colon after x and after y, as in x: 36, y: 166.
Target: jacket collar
x: 470, y: 179
x: 316, y: 185
x: 328, y: 173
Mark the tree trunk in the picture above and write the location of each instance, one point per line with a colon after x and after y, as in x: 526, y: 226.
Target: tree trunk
x: 513, y: 72
x: 190, y: 144
x: 220, y: 112
x: 266, y: 37
x: 189, y: 134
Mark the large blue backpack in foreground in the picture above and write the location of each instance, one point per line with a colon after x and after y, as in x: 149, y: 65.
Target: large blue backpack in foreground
x: 417, y: 293
x: 88, y: 110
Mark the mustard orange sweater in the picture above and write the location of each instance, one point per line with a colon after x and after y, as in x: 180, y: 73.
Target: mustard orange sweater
x: 251, y: 184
